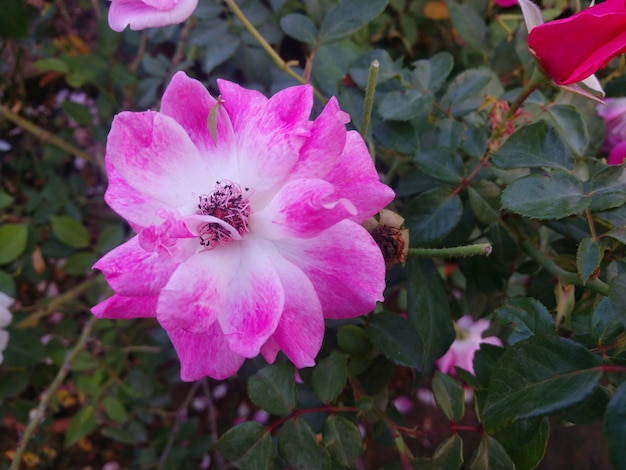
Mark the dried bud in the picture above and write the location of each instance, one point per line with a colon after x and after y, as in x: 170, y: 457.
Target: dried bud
x: 392, y: 239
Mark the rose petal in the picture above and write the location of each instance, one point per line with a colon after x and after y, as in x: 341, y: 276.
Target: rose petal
x: 140, y: 15
x: 118, y: 307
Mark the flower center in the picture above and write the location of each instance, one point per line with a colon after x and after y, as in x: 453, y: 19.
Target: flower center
x: 228, y: 204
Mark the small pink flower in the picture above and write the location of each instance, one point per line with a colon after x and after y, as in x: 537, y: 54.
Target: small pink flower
x: 141, y: 14
x: 614, y: 115
x: 570, y: 50
x: 248, y: 236
x: 468, y: 341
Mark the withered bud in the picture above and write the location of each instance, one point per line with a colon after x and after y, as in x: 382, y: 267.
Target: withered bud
x: 391, y: 238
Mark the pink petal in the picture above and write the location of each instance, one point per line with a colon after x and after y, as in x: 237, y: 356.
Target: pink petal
x: 345, y: 266
x: 617, y: 155
x: 195, y: 294
x: 204, y: 354
x: 356, y: 179
x: 301, y: 328
x: 446, y: 362
x: 118, y: 307
x: 302, y: 209
x: 270, y: 133
x: 132, y: 271
x: 155, y: 156
x: 325, y: 145
x: 149, y: 13
x: 253, y: 300
x: 573, y: 48
x: 188, y: 102
x: 136, y: 207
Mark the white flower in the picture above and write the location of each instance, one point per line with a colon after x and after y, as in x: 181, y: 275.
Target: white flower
x: 5, y: 319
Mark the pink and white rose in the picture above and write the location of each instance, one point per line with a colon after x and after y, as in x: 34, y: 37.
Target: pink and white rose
x: 141, y: 14
x: 248, y: 233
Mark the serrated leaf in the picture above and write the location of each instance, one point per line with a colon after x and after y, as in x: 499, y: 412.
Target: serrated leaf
x: 615, y: 426
x: 300, y: 27
x: 396, y: 338
x: 449, y: 396
x: 273, y: 388
x: 617, y: 297
x: 347, y: 17
x: 298, y: 445
x: 342, y: 439
x: 534, y: 146
x: 588, y: 258
x: 553, y: 195
x: 449, y: 454
x: 467, y: 91
x: 330, y: 376
x: 618, y: 233
x: 468, y: 24
x: 606, y: 324
x: 79, y: 112
x: 24, y: 349
x: 82, y: 424
x: 569, y: 124
x: 431, y: 74
x: 13, y: 238
x: 442, y: 163
x: 248, y: 446
x: 527, y: 316
x: 484, y: 199
x: 70, y: 231
x: 433, y: 215
x: 490, y: 455
x: 606, y: 189
x: 536, y: 377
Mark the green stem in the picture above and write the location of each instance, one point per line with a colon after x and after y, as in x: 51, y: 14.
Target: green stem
x: 564, y: 276
x: 44, y: 135
x: 179, y: 53
x: 592, y: 227
x: 479, y: 249
x: 282, y: 65
x: 372, y: 78
x: 39, y: 413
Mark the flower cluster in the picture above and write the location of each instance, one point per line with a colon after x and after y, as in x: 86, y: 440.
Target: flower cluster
x: 248, y: 231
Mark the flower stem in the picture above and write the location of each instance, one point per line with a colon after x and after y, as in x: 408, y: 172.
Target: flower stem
x: 479, y: 249
x: 44, y: 135
x: 38, y: 413
x: 564, y: 276
x: 372, y: 78
x: 282, y: 65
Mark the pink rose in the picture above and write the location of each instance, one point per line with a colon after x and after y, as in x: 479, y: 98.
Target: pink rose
x: 506, y: 3
x: 468, y: 341
x: 614, y: 115
x: 248, y: 228
x: 141, y: 14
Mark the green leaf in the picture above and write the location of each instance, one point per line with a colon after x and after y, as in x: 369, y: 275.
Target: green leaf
x: 353, y: 340
x: 442, y: 163
x: 5, y: 200
x: 536, y: 377
x: 298, y: 446
x: 404, y: 105
x: 449, y: 396
x: 396, y: 338
x: 606, y: 324
x: 449, y: 454
x: 527, y: 316
x: 615, y: 426
x: 467, y: 91
x: 13, y: 239
x: 273, y: 388
x: 349, y: 16
x: 468, y: 24
x: 606, y: 189
x: 588, y: 258
x: 14, y: 20
x: 330, y: 376
x: 617, y: 297
x: 534, y: 146
x: 51, y: 64
x: 431, y: 74
x: 528, y: 456
x: 248, y: 446
x: 79, y: 112
x: 24, y: 349
x: 618, y: 233
x: 342, y: 439
x: 80, y: 263
x: 114, y: 409
x: 484, y: 199
x: 567, y: 121
x: 299, y: 27
x: 82, y: 424
x: 553, y: 195
x: 490, y: 455
x: 429, y: 310
x: 70, y: 231
x: 433, y: 215
x: 13, y: 383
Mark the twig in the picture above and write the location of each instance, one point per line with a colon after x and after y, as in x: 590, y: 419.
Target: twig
x: 368, y: 105
x: 47, y: 395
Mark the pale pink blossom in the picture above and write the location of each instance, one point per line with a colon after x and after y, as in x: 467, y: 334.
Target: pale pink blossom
x: 614, y: 115
x: 141, y: 14
x: 248, y: 228
x: 5, y: 320
x: 468, y: 341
